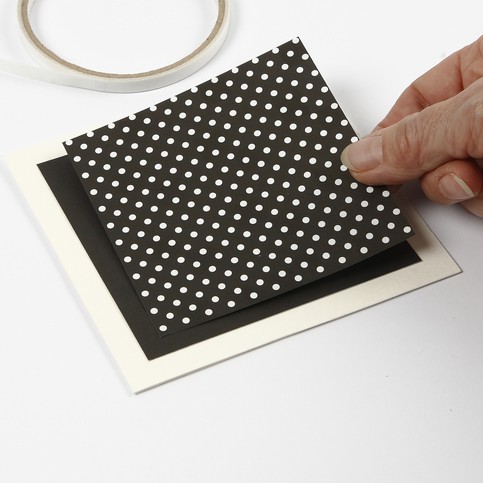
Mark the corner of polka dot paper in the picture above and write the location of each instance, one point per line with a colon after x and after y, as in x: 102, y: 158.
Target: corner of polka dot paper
x: 232, y: 192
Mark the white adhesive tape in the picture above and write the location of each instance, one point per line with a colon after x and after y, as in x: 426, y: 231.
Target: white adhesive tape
x: 56, y: 70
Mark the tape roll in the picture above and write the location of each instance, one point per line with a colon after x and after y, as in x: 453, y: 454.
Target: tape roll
x: 59, y: 71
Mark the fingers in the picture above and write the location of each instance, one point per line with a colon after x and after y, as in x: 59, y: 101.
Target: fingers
x: 438, y: 84
x: 421, y: 142
x: 434, y: 132
x: 445, y: 80
x: 453, y: 182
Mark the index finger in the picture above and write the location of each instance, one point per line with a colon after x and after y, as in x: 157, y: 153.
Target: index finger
x: 440, y: 83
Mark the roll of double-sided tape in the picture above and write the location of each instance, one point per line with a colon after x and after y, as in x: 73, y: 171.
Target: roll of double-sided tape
x: 59, y: 71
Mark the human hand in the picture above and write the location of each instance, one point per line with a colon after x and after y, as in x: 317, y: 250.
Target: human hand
x: 434, y: 132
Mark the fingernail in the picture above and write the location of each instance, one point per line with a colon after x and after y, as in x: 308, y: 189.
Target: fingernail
x: 454, y: 188
x: 363, y: 155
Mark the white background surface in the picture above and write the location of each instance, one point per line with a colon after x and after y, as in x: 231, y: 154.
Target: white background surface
x: 390, y: 394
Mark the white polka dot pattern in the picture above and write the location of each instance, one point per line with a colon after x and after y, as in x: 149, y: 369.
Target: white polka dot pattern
x: 232, y: 192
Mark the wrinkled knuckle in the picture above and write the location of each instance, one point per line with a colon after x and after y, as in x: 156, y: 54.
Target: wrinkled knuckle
x: 479, y: 44
x: 406, y: 150
x: 475, y: 146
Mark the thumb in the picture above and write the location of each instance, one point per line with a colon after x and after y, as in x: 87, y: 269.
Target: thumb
x: 421, y: 142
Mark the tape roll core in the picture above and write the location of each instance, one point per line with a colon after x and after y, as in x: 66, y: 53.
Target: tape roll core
x: 68, y: 73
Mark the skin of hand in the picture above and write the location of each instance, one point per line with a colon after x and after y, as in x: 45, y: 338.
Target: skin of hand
x: 434, y: 132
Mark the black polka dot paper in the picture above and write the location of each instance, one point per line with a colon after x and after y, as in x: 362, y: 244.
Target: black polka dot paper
x: 232, y: 192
